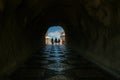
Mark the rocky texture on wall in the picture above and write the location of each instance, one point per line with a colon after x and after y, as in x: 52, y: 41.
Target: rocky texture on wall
x: 92, y: 27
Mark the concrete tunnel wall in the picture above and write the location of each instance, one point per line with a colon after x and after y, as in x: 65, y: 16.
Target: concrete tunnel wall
x: 92, y: 28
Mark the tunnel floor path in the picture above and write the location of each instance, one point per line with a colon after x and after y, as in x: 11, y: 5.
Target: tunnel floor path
x: 59, y: 62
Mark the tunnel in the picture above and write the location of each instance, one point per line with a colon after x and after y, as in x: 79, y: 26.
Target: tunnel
x: 55, y: 35
x: 91, y: 26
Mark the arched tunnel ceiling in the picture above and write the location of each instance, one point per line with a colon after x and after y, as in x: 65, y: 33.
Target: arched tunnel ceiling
x: 75, y: 12
x: 95, y: 22
x: 54, y: 12
x: 97, y: 9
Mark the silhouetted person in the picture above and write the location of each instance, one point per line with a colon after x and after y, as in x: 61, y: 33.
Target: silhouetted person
x: 52, y: 41
x: 58, y: 41
x: 55, y: 40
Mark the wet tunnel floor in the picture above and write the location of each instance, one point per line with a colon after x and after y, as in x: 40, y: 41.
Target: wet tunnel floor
x: 58, y: 62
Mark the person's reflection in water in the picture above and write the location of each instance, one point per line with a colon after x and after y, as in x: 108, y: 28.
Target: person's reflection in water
x: 52, y: 41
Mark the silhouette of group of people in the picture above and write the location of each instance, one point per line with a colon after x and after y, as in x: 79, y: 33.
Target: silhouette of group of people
x: 55, y: 41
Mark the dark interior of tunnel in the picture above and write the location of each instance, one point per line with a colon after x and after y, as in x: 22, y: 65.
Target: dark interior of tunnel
x: 92, y: 29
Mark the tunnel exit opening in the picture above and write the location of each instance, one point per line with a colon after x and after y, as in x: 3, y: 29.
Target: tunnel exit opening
x: 55, y: 35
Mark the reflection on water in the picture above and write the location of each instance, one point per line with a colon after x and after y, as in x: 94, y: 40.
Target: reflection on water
x: 59, y: 77
x: 57, y: 62
x: 58, y: 67
x: 57, y: 57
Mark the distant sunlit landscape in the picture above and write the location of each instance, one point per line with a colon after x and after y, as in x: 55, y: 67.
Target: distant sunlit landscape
x: 55, y: 32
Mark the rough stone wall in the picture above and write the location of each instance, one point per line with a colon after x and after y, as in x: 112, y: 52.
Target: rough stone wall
x: 14, y: 42
x: 23, y: 24
x: 101, y: 32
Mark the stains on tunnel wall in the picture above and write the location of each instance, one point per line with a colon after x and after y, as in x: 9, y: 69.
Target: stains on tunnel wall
x: 92, y: 28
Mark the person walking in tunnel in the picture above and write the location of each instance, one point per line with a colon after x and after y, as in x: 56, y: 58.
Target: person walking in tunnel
x: 56, y: 41
x: 52, y: 41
